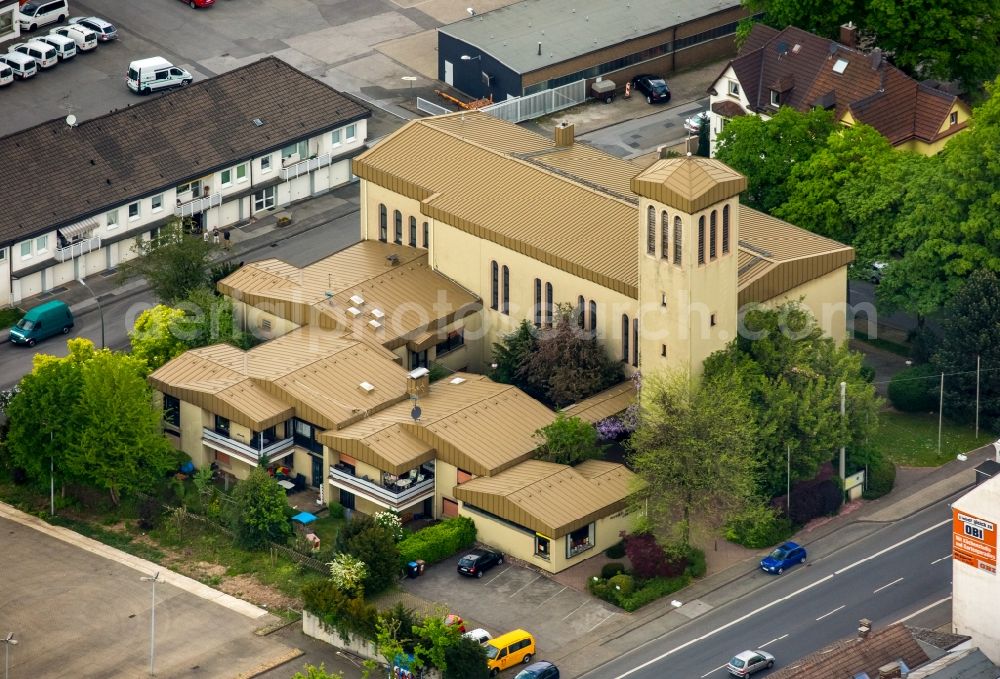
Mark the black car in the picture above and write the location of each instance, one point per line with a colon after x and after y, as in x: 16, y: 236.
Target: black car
x: 539, y: 670
x: 478, y: 561
x: 654, y: 87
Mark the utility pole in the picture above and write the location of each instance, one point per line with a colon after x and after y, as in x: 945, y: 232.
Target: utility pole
x: 152, y: 621
x: 788, y: 480
x: 977, y: 397
x: 940, y: 412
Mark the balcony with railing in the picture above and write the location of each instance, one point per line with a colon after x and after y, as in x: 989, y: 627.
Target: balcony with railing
x: 249, y: 453
x: 394, y: 492
x: 293, y: 170
x: 198, y: 205
x: 80, y: 247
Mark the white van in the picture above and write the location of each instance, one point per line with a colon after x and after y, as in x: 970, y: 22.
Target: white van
x: 23, y: 66
x: 31, y: 15
x: 153, y: 74
x: 85, y: 38
x: 65, y: 47
x: 42, y: 52
x: 6, y: 74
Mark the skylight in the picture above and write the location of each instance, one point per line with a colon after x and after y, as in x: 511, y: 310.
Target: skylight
x: 840, y: 66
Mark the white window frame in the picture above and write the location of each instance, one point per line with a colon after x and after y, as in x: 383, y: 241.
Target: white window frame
x: 267, y: 199
x: 111, y: 219
x: 243, y: 167
x: 734, y: 88
x: 3, y: 254
x: 351, y: 132
x: 138, y: 211
x: 27, y: 255
x: 336, y: 137
x: 774, y: 98
x: 226, y: 177
x: 156, y: 202
x: 41, y: 244
x: 265, y: 163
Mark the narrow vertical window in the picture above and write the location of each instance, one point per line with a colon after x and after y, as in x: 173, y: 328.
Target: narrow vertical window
x: 538, y: 302
x: 593, y: 317
x: 678, y: 232
x: 427, y: 235
x: 548, y: 304
x: 494, y: 285
x: 701, y: 240
x: 651, y: 231
x: 383, y: 223
x: 713, y: 232
x: 506, y: 290
x: 725, y: 230
x: 413, y: 231
x: 581, y: 309
x: 635, y: 342
x: 397, y: 222
x: 664, y: 236
x: 625, y: 332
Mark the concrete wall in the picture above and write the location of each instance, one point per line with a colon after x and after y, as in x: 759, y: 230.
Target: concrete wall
x: 975, y: 592
x: 825, y: 298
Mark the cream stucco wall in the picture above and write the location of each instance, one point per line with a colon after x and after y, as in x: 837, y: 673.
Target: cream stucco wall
x: 975, y: 592
x: 255, y: 320
x: 825, y: 298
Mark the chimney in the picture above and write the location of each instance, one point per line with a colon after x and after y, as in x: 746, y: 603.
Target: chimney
x: 418, y: 382
x: 849, y: 35
x: 564, y: 134
x: 876, y: 57
x: 864, y: 627
x: 891, y: 671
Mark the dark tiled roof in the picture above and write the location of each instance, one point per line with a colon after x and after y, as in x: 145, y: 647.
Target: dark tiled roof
x: 52, y: 174
x: 943, y: 640
x: 728, y: 109
x: 850, y: 657
x: 801, y: 66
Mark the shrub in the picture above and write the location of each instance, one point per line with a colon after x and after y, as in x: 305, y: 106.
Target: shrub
x: 438, y: 542
x: 831, y: 496
x: 696, y: 564
x: 348, y: 573
x: 648, y: 558
x: 913, y: 390
x: 867, y: 373
x: 615, y: 551
x: 758, y: 526
x: 465, y: 659
x: 622, y: 584
x: 149, y: 513
x: 336, y: 510
x: 652, y: 590
x: 392, y: 523
x: 881, y: 478
x: 365, y: 539
x: 338, y: 611
x: 610, y: 570
x: 812, y: 500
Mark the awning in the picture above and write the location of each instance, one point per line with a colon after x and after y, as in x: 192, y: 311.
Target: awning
x: 73, y: 230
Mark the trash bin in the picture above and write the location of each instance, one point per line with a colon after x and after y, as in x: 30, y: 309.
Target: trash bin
x: 412, y: 569
x: 420, y: 566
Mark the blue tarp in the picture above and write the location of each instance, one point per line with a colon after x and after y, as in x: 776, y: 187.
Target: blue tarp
x: 304, y: 518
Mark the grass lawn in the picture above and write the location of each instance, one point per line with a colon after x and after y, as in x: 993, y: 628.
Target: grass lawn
x: 10, y: 316
x: 910, y: 439
x: 326, y: 528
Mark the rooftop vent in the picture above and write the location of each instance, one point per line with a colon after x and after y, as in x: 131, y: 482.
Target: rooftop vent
x: 417, y: 373
x: 378, y: 314
x: 456, y: 380
x: 374, y: 325
x: 357, y: 300
x: 368, y: 387
x: 797, y: 48
x: 257, y: 122
x: 392, y: 259
x: 354, y: 312
x: 840, y: 66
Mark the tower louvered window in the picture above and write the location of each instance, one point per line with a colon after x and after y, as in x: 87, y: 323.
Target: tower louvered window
x: 701, y: 240
x: 678, y: 235
x: 725, y: 230
x: 651, y: 230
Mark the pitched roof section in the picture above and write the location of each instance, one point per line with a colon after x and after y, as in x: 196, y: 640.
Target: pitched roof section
x: 811, y: 71
x: 851, y: 657
x: 552, y: 499
x: 690, y: 184
x: 395, y: 285
x: 466, y: 420
x: 109, y: 160
x: 605, y: 404
x: 568, y: 28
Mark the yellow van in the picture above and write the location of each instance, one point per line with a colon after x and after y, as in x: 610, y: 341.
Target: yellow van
x: 508, y: 650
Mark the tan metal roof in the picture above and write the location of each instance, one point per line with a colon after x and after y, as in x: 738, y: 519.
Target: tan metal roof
x: 605, y: 404
x: 555, y: 202
x: 476, y: 424
x: 691, y: 183
x: 407, y: 298
x: 551, y: 499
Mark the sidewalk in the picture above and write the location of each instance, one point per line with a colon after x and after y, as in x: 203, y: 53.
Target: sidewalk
x: 661, y: 617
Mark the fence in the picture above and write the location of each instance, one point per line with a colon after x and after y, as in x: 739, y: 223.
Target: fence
x: 431, y: 108
x: 540, y: 103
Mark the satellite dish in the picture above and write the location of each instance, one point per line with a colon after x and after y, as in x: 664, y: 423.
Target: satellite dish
x: 471, y: 11
x: 71, y: 120
x: 415, y: 413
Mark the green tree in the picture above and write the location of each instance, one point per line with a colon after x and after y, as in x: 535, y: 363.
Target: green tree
x: 388, y: 635
x: 155, y: 338
x: 971, y: 328
x: 766, y: 151
x: 704, y: 139
x: 822, y: 17
x: 375, y: 545
x: 510, y: 353
x: 259, y: 511
x: 433, y: 639
x: 694, y: 451
x: 568, y: 440
x: 568, y: 364
x: 465, y: 659
x: 119, y: 446
x: 313, y: 672
x: 174, y: 264
x: 792, y: 374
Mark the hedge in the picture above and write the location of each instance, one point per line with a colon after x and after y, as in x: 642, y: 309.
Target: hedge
x: 757, y: 527
x: 347, y: 615
x: 810, y: 501
x: 913, y: 390
x: 611, y: 569
x: 881, y: 478
x: 644, y: 593
x: 438, y: 542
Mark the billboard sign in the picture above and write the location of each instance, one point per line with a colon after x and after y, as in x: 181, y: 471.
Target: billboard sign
x: 974, y: 541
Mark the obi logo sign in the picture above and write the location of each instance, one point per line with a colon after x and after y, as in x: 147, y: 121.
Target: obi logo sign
x: 974, y: 541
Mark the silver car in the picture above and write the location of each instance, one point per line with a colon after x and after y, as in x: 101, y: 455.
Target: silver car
x: 746, y: 663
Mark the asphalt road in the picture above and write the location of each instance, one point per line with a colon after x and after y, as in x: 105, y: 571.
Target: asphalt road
x: 635, y: 137
x: 122, y: 308
x: 891, y: 574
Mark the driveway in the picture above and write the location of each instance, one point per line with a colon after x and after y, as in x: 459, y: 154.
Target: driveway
x: 511, y: 597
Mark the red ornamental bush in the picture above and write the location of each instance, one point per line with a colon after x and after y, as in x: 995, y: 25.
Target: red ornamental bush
x: 648, y: 558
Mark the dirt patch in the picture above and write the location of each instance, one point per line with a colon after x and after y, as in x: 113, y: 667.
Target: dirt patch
x: 248, y: 588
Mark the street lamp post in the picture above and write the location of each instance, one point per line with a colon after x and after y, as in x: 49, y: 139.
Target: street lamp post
x: 152, y: 621
x: 7, y: 641
x: 100, y: 309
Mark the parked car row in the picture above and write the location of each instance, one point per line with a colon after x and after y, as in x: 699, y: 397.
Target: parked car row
x: 24, y: 60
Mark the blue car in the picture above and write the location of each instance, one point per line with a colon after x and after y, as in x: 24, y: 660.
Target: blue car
x: 785, y: 556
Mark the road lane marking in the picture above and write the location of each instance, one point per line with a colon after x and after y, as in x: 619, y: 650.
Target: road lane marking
x: 876, y: 591
x: 770, y: 642
x: 497, y: 576
x: 575, y: 609
x: 531, y: 582
x: 925, y: 608
x: 941, y: 559
x: 711, y: 672
x: 613, y: 614
x: 892, y: 547
x: 830, y: 613
x: 551, y: 597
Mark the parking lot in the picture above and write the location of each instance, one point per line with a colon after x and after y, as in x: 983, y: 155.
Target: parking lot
x: 510, y: 597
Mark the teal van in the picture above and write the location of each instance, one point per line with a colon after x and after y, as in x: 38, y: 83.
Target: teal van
x: 41, y: 322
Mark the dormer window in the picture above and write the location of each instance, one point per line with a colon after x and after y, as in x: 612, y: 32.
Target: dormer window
x: 774, y: 98
x: 734, y: 88
x: 953, y: 118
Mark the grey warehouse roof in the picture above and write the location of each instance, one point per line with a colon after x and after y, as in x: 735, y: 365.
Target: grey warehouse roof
x: 570, y: 28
